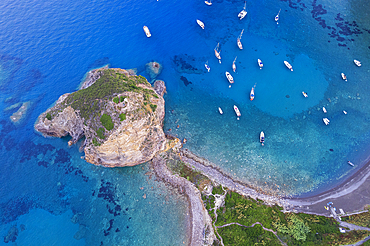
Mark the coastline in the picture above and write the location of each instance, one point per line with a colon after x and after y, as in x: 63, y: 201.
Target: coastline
x: 200, y: 222
x: 351, y: 195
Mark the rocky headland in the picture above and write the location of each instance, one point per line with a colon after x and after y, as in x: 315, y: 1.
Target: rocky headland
x: 119, y: 114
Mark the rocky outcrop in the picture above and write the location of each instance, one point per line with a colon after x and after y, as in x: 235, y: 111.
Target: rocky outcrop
x: 119, y: 114
x: 153, y: 69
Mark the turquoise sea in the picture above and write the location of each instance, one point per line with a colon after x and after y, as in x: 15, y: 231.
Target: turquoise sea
x: 50, y: 196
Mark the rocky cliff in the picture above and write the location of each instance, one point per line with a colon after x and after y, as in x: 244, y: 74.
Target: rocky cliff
x: 119, y: 114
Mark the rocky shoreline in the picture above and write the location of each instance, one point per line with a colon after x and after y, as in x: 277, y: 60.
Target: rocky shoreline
x: 201, y: 230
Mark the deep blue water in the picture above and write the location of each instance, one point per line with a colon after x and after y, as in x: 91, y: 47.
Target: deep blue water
x: 53, y: 197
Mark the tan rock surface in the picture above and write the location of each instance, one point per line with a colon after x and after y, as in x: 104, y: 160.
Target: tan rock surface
x: 133, y: 141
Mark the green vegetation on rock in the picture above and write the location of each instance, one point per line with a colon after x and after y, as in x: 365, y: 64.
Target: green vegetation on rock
x: 153, y: 107
x: 122, y: 117
x: 107, y: 122
x: 100, y: 133
x: 116, y: 100
x: 48, y: 116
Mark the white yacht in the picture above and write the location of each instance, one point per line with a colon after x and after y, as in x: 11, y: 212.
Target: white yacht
x: 209, y: 3
x: 262, y: 138
x: 277, y: 17
x: 358, y: 63
x: 200, y: 23
x: 260, y: 64
x: 287, y: 64
x: 326, y: 121
x: 229, y: 77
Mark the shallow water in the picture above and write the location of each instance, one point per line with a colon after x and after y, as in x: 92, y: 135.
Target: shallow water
x: 47, y: 47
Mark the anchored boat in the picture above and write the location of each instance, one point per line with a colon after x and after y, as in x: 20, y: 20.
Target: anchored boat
x: 229, y: 78
x: 217, y: 52
x: 147, y: 32
x: 238, y: 41
x: 207, y: 67
x: 243, y: 13
x: 262, y: 138
x: 209, y: 3
x: 251, y: 95
x: 277, y: 17
x: 287, y: 64
x: 234, y: 65
x: 350, y: 163
x: 200, y: 23
x: 358, y: 63
x: 220, y: 110
x: 304, y: 94
x: 326, y: 121
x: 260, y: 64
x: 237, y: 111
x: 344, y: 77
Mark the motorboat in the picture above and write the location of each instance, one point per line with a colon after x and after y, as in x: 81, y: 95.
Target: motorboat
x: 344, y: 112
x: 324, y: 110
x: 220, y: 110
x: 358, y: 63
x: 237, y: 111
x: 147, y: 32
x: 277, y: 17
x: 234, y: 65
x: 344, y: 77
x: 350, y: 163
x: 229, y: 77
x: 260, y: 64
x: 262, y: 138
x: 326, y: 121
x: 238, y: 41
x: 209, y: 3
x: 243, y: 13
x: 304, y: 94
x: 217, y: 52
x: 287, y: 64
x: 200, y: 23
x: 207, y: 67
x: 251, y: 95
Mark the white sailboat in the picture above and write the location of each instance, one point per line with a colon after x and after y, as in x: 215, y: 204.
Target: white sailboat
x: 239, y: 40
x: 207, y: 67
x: 234, y: 65
x: 147, y: 32
x: 277, y: 17
x: 200, y: 23
x: 237, y: 112
x: 243, y: 13
x: 260, y: 64
x: 209, y: 3
x: 217, y: 52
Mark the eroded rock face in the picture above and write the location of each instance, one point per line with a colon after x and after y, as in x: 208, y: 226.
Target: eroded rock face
x: 136, y: 115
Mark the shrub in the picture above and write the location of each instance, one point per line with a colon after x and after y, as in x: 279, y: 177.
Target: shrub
x: 100, y: 133
x: 122, y: 98
x: 48, y: 116
x: 122, y: 117
x: 95, y: 142
x: 106, y: 121
x: 153, y: 107
x: 116, y: 100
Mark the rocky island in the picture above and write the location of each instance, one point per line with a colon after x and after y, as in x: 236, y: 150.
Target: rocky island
x: 119, y: 114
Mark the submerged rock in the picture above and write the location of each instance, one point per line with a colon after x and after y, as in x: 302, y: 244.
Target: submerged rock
x: 21, y: 112
x: 119, y: 115
x: 153, y: 69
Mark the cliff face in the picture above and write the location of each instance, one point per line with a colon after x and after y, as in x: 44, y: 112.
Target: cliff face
x: 120, y: 116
